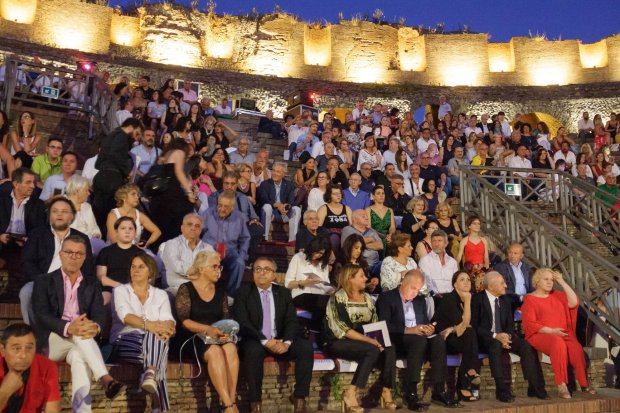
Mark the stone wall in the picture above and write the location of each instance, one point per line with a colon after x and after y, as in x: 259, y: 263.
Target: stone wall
x: 280, y: 45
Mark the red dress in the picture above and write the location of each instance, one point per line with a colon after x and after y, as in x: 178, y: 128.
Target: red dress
x: 553, y: 311
x: 473, y: 253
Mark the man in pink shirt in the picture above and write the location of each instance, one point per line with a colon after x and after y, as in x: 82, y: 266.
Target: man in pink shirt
x: 69, y: 314
x: 189, y: 95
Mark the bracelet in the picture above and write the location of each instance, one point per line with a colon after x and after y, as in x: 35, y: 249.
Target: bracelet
x: 144, y: 319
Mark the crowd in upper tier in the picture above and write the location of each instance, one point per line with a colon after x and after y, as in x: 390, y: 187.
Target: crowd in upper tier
x: 158, y: 229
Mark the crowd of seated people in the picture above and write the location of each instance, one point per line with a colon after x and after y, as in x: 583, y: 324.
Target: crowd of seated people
x: 180, y: 202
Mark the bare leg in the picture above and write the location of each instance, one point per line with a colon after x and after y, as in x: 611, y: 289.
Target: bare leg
x: 216, y: 365
x: 232, y: 361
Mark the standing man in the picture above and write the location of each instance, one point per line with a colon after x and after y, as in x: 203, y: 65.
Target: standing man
x: 276, y: 197
x: 48, y: 163
x: 69, y: 315
x: 227, y: 232
x: 414, y: 338
x: 517, y: 274
x: 189, y: 95
x: 444, y: 107
x: 492, y: 318
x: 269, y: 326
x: 145, y: 155
x: 114, y: 164
x: 28, y: 381
x: 438, y: 267
x: 585, y: 125
x: 144, y: 83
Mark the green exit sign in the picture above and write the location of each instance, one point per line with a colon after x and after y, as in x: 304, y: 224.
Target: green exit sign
x: 513, y: 189
x: 49, y: 92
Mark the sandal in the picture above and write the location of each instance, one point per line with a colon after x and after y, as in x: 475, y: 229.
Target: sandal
x: 563, y: 392
x: 462, y: 396
x: 230, y: 406
x: 588, y: 390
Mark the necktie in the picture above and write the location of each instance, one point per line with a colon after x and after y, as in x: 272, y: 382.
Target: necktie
x: 497, y: 318
x: 266, y: 304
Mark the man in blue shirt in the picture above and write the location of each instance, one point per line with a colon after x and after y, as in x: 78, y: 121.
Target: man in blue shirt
x: 147, y: 152
x: 306, y: 142
x: 353, y: 196
x: 368, y: 182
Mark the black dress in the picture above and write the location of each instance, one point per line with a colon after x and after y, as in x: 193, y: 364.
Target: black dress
x: 410, y: 220
x: 190, y: 306
x: 117, y: 261
x: 169, y: 207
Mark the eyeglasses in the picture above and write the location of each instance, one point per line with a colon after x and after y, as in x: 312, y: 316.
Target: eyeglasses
x: 216, y: 267
x: 263, y: 270
x: 322, y: 177
x: 74, y: 254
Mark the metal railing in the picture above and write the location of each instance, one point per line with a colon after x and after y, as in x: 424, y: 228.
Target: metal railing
x: 510, y: 219
x: 59, y: 88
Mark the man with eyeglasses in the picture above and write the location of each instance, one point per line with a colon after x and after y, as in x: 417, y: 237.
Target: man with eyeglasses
x: 269, y: 327
x: 70, y: 314
x: 434, y: 172
x: 228, y: 234
x: 243, y: 154
x: 41, y: 251
x: 368, y: 182
x: 353, y: 196
x: 48, y: 163
x: 396, y: 198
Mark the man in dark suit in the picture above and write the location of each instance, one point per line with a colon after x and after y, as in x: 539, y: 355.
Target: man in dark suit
x: 414, y: 337
x: 20, y: 212
x: 517, y: 274
x: 41, y: 251
x: 68, y: 323
x: 268, y: 326
x: 276, y: 197
x: 492, y: 318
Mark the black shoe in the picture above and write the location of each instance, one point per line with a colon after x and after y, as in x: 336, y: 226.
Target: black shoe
x: 504, y: 396
x: 444, y: 400
x: 114, y: 389
x: 413, y: 403
x: 538, y: 393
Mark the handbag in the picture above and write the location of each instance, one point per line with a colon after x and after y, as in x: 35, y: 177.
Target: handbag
x: 155, y: 181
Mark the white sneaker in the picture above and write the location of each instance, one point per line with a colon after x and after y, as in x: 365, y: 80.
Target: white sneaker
x: 148, y: 382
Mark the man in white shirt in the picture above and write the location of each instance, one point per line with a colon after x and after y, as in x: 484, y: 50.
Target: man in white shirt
x: 178, y: 253
x: 223, y: 108
x: 125, y: 112
x: 413, y: 184
x: 425, y: 141
x: 89, y: 171
x: 585, y: 125
x: 521, y: 161
x: 438, y: 267
x: 295, y: 132
x: 189, y: 95
x: 565, y: 153
x: 55, y: 184
x: 444, y: 107
x: 359, y: 111
x: 472, y: 127
x: 389, y: 156
x: 506, y: 130
x: 319, y: 148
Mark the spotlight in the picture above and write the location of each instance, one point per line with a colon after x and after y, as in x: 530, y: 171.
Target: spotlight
x: 87, y: 66
x: 312, y: 96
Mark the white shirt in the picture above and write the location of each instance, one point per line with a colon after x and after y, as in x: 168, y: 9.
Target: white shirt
x: 583, y: 124
x: 54, y: 185
x: 366, y: 157
x: 438, y: 276
x: 177, y: 258
x: 569, y: 158
x: 423, y: 144
x: 315, y: 199
x: 122, y: 115
x: 391, y: 272
x: 17, y: 224
x: 412, y: 188
x: 55, y: 264
x: 506, y: 129
x: 356, y: 113
x: 223, y: 111
x: 444, y: 108
x: 318, y: 149
x: 85, y: 221
x: 298, y: 270
x: 491, y: 299
x: 89, y: 170
x: 390, y: 157
x: 517, y: 162
x: 155, y: 308
x: 475, y: 129
x: 294, y: 132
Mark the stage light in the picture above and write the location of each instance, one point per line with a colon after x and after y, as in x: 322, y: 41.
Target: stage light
x: 312, y: 96
x: 87, y: 66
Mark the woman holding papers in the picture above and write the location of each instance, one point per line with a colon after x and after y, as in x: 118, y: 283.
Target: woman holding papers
x: 348, y: 310
x: 308, y: 279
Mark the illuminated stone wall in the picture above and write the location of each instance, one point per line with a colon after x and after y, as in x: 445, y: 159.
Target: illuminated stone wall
x: 282, y: 46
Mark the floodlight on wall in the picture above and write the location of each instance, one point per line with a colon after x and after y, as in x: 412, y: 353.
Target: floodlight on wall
x: 87, y: 66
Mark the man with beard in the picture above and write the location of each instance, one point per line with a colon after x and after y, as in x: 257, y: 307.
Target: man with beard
x: 41, y: 251
x: 146, y: 154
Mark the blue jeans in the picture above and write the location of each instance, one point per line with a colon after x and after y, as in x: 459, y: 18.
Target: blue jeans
x: 234, y: 265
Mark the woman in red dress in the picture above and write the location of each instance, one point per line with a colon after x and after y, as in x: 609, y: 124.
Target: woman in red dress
x: 474, y: 248
x: 549, y: 321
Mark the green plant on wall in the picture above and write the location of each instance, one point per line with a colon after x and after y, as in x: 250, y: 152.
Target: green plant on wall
x: 335, y: 386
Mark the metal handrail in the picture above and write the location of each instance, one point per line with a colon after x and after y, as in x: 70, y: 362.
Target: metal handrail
x: 81, y: 92
x: 566, y: 196
x: 545, y: 245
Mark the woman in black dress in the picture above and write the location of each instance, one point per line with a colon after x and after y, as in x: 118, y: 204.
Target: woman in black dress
x: 177, y: 200
x: 453, y: 316
x: 334, y: 216
x: 200, y: 303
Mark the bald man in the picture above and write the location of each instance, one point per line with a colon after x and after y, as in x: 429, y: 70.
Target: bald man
x: 517, y: 274
x: 414, y: 338
x: 492, y: 318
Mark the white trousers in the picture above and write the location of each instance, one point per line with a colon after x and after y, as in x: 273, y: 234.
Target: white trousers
x: 86, y: 361
x: 293, y: 218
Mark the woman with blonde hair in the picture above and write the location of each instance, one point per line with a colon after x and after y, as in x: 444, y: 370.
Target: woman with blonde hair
x: 199, y: 304
x: 127, y: 198
x: 245, y: 184
x: 549, y: 323
x: 449, y: 225
x: 142, y: 325
x: 347, y: 312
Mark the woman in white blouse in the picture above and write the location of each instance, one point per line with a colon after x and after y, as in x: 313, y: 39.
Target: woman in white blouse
x: 316, y: 195
x: 308, y: 279
x: 77, y: 191
x: 142, y: 326
x: 398, y: 262
x: 370, y: 153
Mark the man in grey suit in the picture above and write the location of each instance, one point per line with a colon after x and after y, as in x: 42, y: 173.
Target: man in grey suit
x: 517, y: 274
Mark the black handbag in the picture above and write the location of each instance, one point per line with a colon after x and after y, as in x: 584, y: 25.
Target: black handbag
x: 155, y: 181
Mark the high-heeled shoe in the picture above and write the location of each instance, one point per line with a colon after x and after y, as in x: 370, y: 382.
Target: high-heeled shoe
x: 563, y: 392
x: 230, y: 406
x: 588, y: 390
x: 349, y: 407
x: 387, y: 404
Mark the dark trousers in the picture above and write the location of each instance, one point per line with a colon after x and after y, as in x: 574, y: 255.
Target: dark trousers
x: 256, y: 236
x: 366, y: 355
x: 253, y: 354
x: 316, y: 304
x: 467, y: 346
x: 529, y: 361
x: 105, y: 184
x: 417, y: 349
